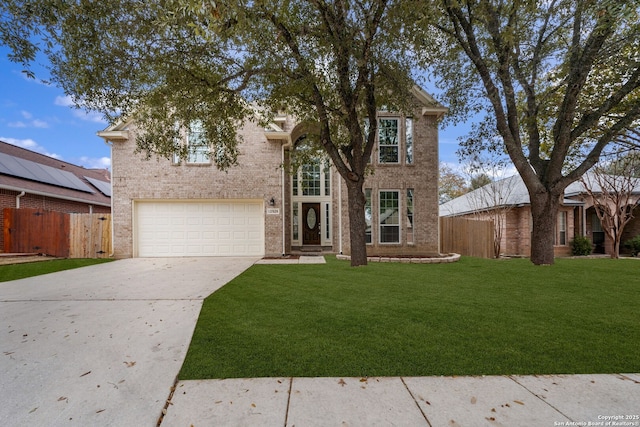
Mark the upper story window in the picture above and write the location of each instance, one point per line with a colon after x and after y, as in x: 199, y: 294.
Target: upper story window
x: 388, y: 141
x: 313, y: 176
x: 198, y: 148
x: 395, y: 140
x: 408, y: 140
x: 312, y: 179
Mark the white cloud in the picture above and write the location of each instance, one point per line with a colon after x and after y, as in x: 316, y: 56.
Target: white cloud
x: 95, y: 163
x: 63, y: 101
x: 33, y: 123
x: 30, y: 144
x: 36, y: 123
x: 91, y: 116
x: 39, y: 124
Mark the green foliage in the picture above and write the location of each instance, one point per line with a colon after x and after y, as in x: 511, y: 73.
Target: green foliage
x: 451, y: 184
x: 167, y: 64
x: 559, y: 81
x: 220, y: 63
x: 20, y: 271
x: 581, y: 245
x: 473, y: 317
x: 480, y: 180
x: 622, y: 160
x: 633, y: 245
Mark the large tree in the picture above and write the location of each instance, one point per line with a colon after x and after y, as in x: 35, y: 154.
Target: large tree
x: 451, y: 184
x: 613, y: 186
x: 168, y: 63
x: 560, y: 79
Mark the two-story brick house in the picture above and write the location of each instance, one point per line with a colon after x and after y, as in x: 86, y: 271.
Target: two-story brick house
x: 172, y: 207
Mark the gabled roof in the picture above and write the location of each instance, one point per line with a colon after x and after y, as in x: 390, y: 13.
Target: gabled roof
x: 118, y: 132
x: 430, y: 105
x: 505, y: 192
x: 34, y: 173
x: 577, y: 188
x: 513, y: 192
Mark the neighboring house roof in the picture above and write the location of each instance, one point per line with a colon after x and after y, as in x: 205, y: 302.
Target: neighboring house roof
x: 577, y: 188
x: 503, y: 193
x: 34, y: 173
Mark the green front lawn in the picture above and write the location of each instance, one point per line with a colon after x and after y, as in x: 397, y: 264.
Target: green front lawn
x: 20, y: 271
x: 474, y: 317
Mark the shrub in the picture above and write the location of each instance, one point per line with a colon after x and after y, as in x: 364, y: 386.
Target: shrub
x: 634, y: 245
x: 581, y: 245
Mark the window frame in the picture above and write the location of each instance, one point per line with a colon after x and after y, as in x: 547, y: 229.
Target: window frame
x: 409, y: 152
x: 384, y: 227
x: 397, y: 144
x: 368, y: 237
x: 198, y: 155
x: 561, y: 228
x: 410, y: 210
x: 322, y: 183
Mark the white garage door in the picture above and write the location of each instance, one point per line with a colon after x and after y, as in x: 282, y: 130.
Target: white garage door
x: 220, y: 228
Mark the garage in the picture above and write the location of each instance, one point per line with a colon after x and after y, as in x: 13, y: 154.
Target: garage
x: 199, y: 228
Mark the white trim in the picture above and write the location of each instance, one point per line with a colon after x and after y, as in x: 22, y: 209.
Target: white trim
x: 322, y: 199
x: 399, y: 192
x: 114, y: 135
x: 53, y: 196
x: 399, y: 140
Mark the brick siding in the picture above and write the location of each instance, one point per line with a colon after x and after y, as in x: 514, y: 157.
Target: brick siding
x: 259, y: 177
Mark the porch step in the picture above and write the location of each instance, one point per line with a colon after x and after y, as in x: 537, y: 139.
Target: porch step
x: 309, y: 251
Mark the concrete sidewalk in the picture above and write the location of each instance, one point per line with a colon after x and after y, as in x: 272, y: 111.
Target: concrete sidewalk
x: 411, y: 401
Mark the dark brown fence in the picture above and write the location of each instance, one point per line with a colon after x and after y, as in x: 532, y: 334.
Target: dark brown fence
x: 466, y: 237
x: 56, y: 233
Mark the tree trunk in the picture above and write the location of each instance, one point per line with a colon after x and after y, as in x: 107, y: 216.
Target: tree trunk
x: 544, y: 211
x: 616, y: 244
x: 357, y: 223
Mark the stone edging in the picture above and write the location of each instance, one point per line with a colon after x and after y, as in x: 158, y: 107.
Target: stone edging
x: 428, y: 260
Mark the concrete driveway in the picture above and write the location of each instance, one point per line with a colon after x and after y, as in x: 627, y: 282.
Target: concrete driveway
x: 101, y: 345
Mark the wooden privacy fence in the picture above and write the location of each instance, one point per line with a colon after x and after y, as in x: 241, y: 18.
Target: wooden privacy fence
x: 466, y: 236
x: 57, y: 234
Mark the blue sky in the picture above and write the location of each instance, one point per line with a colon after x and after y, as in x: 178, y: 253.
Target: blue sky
x: 40, y: 117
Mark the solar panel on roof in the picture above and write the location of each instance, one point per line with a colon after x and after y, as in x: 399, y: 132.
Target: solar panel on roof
x: 39, y: 172
x: 103, y: 186
x: 11, y: 166
x: 15, y: 166
x: 69, y: 180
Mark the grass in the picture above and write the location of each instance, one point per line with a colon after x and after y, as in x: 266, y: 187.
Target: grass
x: 29, y: 269
x: 474, y: 317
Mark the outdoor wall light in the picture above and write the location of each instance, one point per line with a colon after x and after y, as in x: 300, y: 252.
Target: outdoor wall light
x: 272, y: 202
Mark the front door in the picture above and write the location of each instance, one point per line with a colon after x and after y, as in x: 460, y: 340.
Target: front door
x: 311, y: 223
